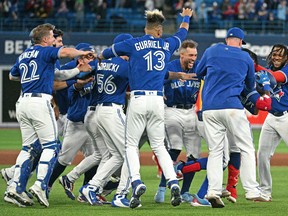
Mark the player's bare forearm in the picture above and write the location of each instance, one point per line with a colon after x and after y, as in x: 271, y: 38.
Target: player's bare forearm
x: 72, y: 53
x: 182, y: 76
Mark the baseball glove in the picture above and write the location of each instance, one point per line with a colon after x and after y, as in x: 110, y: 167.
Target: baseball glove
x: 265, y: 81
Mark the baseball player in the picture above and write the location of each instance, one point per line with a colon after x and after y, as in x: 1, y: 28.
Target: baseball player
x: 148, y: 56
x: 275, y: 126
x: 35, y: 70
x: 75, y: 135
x: 224, y: 81
x: 180, y: 116
x: 112, y: 82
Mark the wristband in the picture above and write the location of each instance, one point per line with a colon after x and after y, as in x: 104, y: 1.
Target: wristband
x: 70, y: 82
x: 186, y: 19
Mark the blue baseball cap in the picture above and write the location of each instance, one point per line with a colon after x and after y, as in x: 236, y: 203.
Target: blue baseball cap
x: 236, y: 32
x: 82, y: 46
x: 122, y: 37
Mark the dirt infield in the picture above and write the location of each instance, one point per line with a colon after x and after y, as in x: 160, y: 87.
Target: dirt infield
x: 9, y: 157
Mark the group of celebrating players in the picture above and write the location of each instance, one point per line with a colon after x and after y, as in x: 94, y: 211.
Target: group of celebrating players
x: 170, y: 104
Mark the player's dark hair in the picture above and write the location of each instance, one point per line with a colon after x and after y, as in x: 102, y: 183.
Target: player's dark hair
x: 189, y: 43
x: 41, y: 31
x: 252, y: 55
x: 57, y: 33
x: 154, y: 18
x: 278, y: 48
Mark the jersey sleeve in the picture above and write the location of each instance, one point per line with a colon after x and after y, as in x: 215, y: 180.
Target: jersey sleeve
x: 118, y: 49
x: 176, y: 40
x: 51, y: 53
x: 250, y: 78
x: 201, y: 68
x: 14, y: 72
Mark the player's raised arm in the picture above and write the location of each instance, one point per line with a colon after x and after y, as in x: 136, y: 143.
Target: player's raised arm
x: 186, y: 14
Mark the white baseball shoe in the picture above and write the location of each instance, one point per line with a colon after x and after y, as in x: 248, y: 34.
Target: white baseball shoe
x: 40, y: 195
x: 258, y: 197
x: 12, y: 200
x: 21, y: 198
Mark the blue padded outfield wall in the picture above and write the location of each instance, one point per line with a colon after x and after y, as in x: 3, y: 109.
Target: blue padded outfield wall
x: 14, y: 43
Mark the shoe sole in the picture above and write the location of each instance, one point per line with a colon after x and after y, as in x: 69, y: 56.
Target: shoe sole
x: 13, y: 201
x: 175, y: 196
x: 67, y: 191
x: 19, y: 200
x: 135, y: 201
x: 38, y: 197
x: 216, y: 203
x: 231, y: 199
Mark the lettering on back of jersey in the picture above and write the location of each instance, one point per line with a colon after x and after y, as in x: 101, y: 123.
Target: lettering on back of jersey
x: 108, y: 67
x: 29, y: 54
x: 147, y: 44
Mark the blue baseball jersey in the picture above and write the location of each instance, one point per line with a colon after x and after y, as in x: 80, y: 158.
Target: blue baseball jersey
x: 94, y: 91
x: 280, y: 94
x: 112, y: 80
x: 178, y: 92
x: 35, y: 67
x: 148, y: 58
x: 226, y: 69
x: 78, y: 100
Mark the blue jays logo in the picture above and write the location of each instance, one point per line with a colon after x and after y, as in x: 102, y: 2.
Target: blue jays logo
x: 278, y: 94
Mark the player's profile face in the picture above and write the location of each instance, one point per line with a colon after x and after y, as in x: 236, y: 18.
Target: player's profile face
x: 59, y: 41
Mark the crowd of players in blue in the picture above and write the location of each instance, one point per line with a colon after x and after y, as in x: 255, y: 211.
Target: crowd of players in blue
x: 89, y: 99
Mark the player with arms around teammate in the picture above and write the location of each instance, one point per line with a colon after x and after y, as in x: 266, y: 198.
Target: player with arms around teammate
x: 35, y: 70
x: 275, y: 126
x: 180, y: 116
x: 148, y: 58
x: 228, y: 70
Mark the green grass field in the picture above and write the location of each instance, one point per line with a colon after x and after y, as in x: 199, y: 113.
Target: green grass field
x: 11, y: 139
x: 61, y: 205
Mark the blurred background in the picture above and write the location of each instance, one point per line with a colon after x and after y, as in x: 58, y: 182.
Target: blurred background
x: 98, y: 21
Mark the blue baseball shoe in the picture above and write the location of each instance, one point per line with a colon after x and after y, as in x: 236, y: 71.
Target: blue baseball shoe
x: 197, y: 201
x: 138, y: 190
x: 160, y: 195
x: 120, y: 201
x: 89, y: 192
x: 68, y: 186
x: 186, y: 197
x: 175, y: 193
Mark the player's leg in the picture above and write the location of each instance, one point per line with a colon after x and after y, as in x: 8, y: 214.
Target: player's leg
x: 243, y: 140
x: 135, y: 126
x: 215, y: 132
x: 156, y: 133
x: 268, y: 141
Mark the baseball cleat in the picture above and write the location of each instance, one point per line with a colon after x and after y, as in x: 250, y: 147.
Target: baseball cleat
x: 82, y: 199
x: 5, y: 176
x: 186, y: 197
x: 160, y: 195
x: 40, y: 195
x: 12, y: 200
x: 120, y: 201
x: 175, y: 195
x: 258, y: 197
x: 216, y: 201
x: 68, y: 186
x: 21, y: 198
x: 89, y: 192
x: 225, y: 193
x: 198, y: 202
x: 138, y: 190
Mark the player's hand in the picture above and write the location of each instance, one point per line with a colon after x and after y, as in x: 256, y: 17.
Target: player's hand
x: 82, y: 82
x: 186, y: 12
x: 84, y: 67
x: 182, y: 76
x: 99, y: 57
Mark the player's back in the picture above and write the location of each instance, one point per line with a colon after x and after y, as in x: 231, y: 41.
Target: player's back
x: 227, y: 69
x: 148, y: 62
x: 112, y: 80
x: 35, y: 66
